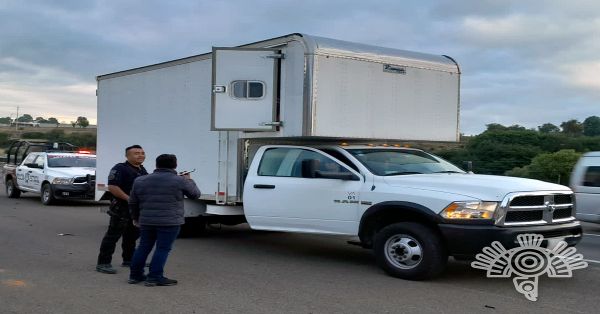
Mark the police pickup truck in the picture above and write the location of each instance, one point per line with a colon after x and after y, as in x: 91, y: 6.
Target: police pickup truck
x: 52, y: 174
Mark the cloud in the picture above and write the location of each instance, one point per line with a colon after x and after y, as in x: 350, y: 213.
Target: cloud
x: 44, y: 91
x: 584, y: 74
x: 515, y: 56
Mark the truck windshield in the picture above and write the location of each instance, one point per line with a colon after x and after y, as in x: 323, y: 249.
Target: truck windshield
x: 61, y: 161
x: 391, y: 162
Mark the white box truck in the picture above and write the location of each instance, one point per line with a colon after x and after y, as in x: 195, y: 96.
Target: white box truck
x: 306, y: 134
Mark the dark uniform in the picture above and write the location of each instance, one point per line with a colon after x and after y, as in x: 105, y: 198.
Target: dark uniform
x: 121, y: 175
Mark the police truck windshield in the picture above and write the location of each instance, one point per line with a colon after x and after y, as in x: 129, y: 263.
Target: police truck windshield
x: 62, y: 161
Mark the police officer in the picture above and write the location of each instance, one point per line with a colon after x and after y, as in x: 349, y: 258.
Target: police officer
x: 120, y: 181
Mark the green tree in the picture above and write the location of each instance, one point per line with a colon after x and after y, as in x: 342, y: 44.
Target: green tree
x: 548, y: 128
x: 25, y: 118
x: 516, y: 127
x: 591, y: 126
x: 73, y: 123
x: 522, y: 172
x: 5, y: 120
x: 495, y: 127
x: 53, y: 121
x: 495, y: 152
x: 554, y: 167
x: 83, y: 122
x: 572, y: 127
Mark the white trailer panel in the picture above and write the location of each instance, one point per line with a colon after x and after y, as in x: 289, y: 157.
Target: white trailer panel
x: 366, y: 99
x: 166, y: 110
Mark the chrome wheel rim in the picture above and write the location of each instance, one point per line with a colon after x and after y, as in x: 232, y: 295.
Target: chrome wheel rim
x: 9, y: 187
x: 403, y: 251
x: 46, y: 195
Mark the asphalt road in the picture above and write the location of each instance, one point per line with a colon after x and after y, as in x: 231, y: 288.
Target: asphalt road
x: 236, y: 270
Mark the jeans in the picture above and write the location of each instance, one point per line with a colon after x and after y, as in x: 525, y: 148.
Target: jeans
x: 163, y: 237
x: 118, y: 227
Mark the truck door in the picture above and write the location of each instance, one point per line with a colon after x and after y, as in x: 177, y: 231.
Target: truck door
x: 280, y: 193
x: 24, y: 173
x: 244, y: 89
x: 588, y: 194
x: 37, y: 174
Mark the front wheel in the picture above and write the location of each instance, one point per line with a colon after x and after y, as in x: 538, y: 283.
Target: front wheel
x: 410, y: 251
x: 11, y: 189
x: 47, y: 194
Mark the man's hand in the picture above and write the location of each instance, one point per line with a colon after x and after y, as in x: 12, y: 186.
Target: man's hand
x: 186, y: 176
x: 136, y: 223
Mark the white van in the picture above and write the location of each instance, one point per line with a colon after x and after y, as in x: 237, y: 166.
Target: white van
x: 585, y: 182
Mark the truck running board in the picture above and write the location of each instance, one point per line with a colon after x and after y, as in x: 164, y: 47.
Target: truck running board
x: 224, y: 210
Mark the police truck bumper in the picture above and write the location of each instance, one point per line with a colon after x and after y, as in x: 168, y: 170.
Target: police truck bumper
x: 73, y: 191
x: 465, y: 241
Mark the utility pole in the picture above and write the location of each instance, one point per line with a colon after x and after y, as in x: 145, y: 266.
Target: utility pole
x: 17, y: 120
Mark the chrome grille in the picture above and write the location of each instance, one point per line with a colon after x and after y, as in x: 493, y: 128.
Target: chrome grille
x: 80, y: 180
x: 536, y: 208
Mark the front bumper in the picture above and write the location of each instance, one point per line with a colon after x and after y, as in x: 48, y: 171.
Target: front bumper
x: 73, y: 191
x: 465, y: 241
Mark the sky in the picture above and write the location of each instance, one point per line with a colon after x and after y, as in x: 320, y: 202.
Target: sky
x: 523, y: 62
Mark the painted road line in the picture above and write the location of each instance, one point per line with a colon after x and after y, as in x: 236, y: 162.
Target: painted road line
x: 592, y: 261
x: 591, y: 234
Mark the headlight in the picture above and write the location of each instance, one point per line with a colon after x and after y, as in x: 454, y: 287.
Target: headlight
x: 62, y: 181
x: 470, y: 210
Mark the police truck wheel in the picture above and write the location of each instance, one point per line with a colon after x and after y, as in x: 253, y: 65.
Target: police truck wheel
x: 11, y: 189
x: 47, y: 194
x: 410, y: 251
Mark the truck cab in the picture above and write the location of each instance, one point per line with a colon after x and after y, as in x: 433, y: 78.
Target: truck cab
x: 413, y: 208
x: 50, y: 172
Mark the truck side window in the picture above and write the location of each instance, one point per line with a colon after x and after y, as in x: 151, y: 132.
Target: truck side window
x: 29, y: 159
x: 592, y: 176
x: 287, y: 162
x: 40, y: 161
x: 341, y: 158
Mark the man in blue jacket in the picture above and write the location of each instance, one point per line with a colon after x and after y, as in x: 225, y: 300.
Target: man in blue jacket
x: 156, y: 205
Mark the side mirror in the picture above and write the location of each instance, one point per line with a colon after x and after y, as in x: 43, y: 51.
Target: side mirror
x: 310, y: 167
x: 31, y: 165
x: 468, y: 165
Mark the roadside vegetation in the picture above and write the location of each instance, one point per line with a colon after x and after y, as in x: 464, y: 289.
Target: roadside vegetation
x: 81, y: 139
x: 547, y: 153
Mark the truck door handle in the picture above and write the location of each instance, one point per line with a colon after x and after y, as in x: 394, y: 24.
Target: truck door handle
x: 29, y: 171
x: 264, y: 186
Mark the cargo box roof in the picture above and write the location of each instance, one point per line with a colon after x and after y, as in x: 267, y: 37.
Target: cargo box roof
x: 315, y: 45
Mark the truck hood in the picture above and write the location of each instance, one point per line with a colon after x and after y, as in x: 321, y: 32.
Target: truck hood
x: 71, y: 172
x: 483, y: 187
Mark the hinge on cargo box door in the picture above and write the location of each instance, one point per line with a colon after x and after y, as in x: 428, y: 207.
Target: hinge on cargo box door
x: 276, y: 56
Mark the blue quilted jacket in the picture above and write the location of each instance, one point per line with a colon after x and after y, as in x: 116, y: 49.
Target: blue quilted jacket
x: 157, y: 199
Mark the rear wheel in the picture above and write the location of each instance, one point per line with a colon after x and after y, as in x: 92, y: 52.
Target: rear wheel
x: 47, y: 194
x: 410, y: 250
x: 11, y: 189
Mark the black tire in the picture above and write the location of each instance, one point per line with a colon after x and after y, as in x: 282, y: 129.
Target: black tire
x: 410, y: 250
x: 11, y: 189
x: 193, y: 227
x: 47, y: 194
